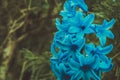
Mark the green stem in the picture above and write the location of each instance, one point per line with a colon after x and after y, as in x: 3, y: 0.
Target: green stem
x: 23, y: 69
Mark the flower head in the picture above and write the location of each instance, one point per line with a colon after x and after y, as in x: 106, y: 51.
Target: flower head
x: 80, y: 3
x: 102, y: 31
x: 90, y: 49
x: 73, y: 58
x: 84, y: 67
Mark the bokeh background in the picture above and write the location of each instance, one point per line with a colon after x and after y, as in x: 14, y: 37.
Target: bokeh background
x: 27, y: 28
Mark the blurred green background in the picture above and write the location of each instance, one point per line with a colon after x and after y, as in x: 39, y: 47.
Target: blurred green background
x: 26, y: 31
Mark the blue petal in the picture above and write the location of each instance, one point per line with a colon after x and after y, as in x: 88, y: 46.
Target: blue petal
x: 109, y: 34
x: 88, y: 20
x: 67, y: 6
x: 73, y: 29
x: 95, y: 64
x: 89, y: 30
x: 58, y: 24
x: 81, y: 59
x: 104, y: 58
x: 78, y: 76
x: 89, y: 47
x: 77, y: 20
x: 55, y: 69
x: 53, y: 60
x: 94, y: 76
x: 61, y: 45
x: 64, y: 55
x: 73, y: 64
x: 86, y: 76
x: 62, y: 68
x: 60, y: 35
x: 80, y: 43
x: 61, y: 27
x: 82, y: 5
x: 53, y: 51
x: 102, y: 40
x: 106, y: 66
x: 106, y: 50
x: 80, y: 35
x: 90, y: 60
x: 109, y: 24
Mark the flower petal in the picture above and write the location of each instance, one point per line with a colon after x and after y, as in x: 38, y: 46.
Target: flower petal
x: 80, y: 35
x: 89, y: 47
x: 82, y: 5
x: 78, y: 75
x: 53, y: 60
x: 89, y: 30
x: 86, y: 76
x: 61, y: 45
x: 74, y: 29
x: 58, y: 24
x: 104, y: 58
x: 109, y: 24
x: 73, y: 64
x: 80, y: 43
x: 60, y: 35
x: 88, y: 20
x: 94, y: 76
x: 109, y: 34
x: 81, y: 59
x: 106, y: 66
x: 102, y: 40
x: 106, y: 50
x: 53, y: 51
x: 55, y: 69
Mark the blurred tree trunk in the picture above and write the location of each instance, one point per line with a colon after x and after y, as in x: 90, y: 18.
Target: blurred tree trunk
x: 8, y: 53
x: 9, y: 46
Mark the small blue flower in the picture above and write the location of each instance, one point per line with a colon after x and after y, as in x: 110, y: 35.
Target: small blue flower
x: 62, y: 26
x: 69, y: 10
x: 105, y: 67
x: 82, y: 25
x: 90, y: 49
x: 84, y: 67
x: 102, y: 31
x: 61, y: 69
x: 80, y: 3
x: 73, y: 46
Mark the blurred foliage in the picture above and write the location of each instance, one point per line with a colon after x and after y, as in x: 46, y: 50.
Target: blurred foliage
x: 30, y: 24
x: 37, y: 65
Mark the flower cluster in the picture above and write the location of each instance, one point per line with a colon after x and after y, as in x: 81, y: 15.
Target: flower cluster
x: 72, y: 57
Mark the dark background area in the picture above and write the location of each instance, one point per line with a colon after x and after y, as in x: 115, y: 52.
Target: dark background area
x: 26, y: 31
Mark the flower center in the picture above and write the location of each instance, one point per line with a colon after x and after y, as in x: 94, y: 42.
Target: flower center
x: 66, y: 77
x: 74, y: 47
x: 83, y: 27
x: 92, y: 52
x: 85, y: 67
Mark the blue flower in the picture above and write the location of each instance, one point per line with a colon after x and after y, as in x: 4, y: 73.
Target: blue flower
x: 62, y: 26
x: 61, y: 69
x: 60, y: 35
x: 102, y: 31
x: 68, y: 62
x: 82, y: 25
x: 90, y: 49
x: 73, y: 46
x: 84, y: 67
x: 69, y: 10
x: 80, y: 3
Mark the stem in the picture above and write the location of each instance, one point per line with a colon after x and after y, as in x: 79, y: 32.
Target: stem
x: 23, y: 69
x: 115, y: 55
